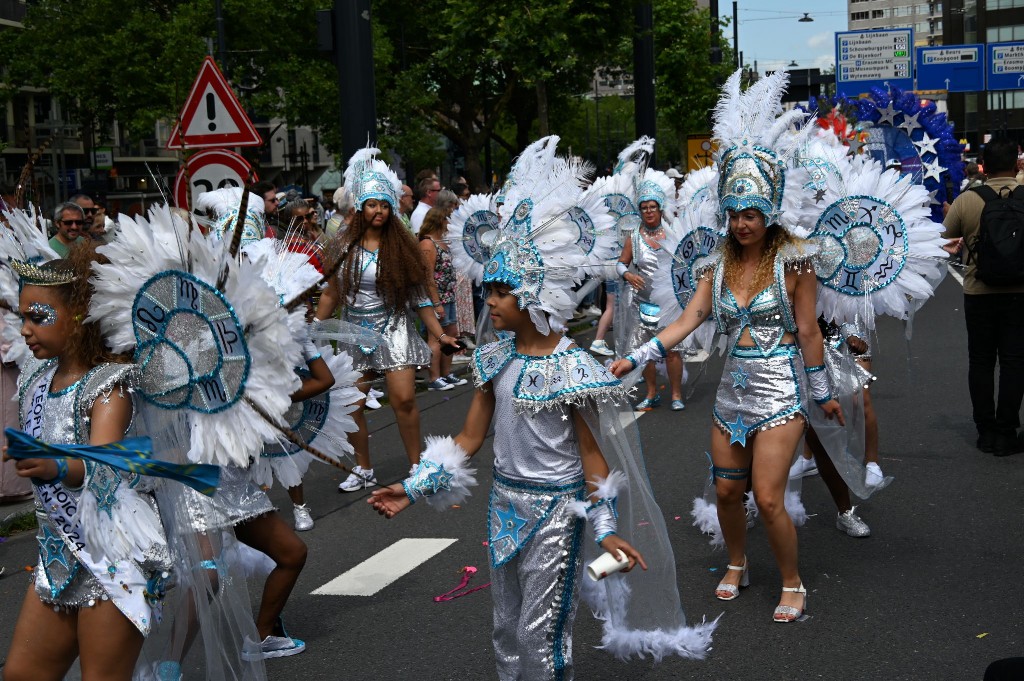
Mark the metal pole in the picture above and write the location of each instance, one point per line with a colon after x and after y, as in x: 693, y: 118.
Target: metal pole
x: 353, y: 51
x: 222, y: 45
x: 716, y: 50
x: 643, y: 71
x: 736, y: 63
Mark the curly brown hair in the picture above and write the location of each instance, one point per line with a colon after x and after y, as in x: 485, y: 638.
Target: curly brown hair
x: 774, y: 238
x: 401, y: 275
x: 86, y: 342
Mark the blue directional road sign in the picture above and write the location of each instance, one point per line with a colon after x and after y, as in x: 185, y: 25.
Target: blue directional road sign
x: 880, y: 58
x: 1006, y: 66
x: 954, y: 68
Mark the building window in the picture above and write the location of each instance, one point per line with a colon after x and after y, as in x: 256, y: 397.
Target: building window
x: 858, y: 16
x: 1002, y: 34
x: 877, y: 13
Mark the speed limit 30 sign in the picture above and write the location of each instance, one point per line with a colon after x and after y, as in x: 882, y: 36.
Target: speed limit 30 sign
x: 209, y: 170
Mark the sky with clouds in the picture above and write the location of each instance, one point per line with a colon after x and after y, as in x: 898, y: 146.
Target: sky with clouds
x: 770, y: 33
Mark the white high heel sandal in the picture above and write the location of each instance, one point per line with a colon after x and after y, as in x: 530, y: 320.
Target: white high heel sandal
x: 785, y: 610
x: 734, y: 590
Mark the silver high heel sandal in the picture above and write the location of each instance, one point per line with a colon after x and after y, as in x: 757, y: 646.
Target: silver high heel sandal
x: 734, y: 590
x: 786, y: 610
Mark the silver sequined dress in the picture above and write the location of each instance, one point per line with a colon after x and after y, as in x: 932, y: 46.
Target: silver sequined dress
x: 646, y: 260
x: 534, y: 538
x: 764, y: 385
x: 66, y: 575
x: 403, y: 346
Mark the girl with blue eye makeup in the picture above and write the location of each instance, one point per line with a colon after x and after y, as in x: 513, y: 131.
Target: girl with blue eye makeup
x: 87, y: 599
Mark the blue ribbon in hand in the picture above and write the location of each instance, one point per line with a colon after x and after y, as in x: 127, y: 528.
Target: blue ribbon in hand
x: 134, y: 455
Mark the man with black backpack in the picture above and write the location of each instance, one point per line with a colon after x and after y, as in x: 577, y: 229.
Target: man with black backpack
x: 986, y: 225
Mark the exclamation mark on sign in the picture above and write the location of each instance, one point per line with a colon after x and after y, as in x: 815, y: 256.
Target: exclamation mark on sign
x: 211, y: 110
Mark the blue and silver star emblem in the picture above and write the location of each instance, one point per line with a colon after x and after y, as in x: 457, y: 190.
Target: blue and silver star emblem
x: 739, y: 378
x: 440, y: 480
x: 738, y: 431
x: 510, y: 524
x: 53, y: 549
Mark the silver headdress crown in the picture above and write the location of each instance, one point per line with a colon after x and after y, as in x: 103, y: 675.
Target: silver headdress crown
x: 535, y: 251
x: 369, y: 178
x: 753, y: 147
x: 34, y: 275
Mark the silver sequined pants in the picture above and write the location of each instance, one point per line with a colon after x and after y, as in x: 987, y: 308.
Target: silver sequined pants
x: 535, y: 599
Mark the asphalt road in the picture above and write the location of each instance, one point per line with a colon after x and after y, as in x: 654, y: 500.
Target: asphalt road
x: 934, y: 593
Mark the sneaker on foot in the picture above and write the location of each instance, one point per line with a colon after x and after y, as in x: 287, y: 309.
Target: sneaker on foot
x: 599, y: 347
x: 272, y: 646
x: 439, y: 384
x: 359, y: 478
x: 852, y: 524
x: 873, y: 476
x: 376, y: 394
x: 592, y: 310
x: 453, y: 380
x: 371, y: 402
x: 303, y: 520
x: 802, y: 468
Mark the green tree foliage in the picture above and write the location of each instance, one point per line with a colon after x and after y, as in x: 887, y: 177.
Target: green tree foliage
x: 108, y: 59
x: 687, y: 84
x: 465, y: 67
x: 135, y: 60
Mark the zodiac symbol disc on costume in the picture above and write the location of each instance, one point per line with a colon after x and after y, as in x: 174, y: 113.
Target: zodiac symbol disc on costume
x: 306, y: 419
x: 190, y: 345
x: 585, y: 225
x: 863, y: 245
x: 477, y: 226
x: 696, y: 244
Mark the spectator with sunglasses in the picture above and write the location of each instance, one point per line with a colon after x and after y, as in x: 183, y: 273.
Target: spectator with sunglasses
x: 70, y: 222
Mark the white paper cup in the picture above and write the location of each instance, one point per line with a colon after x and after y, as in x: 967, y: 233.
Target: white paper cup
x: 607, y: 564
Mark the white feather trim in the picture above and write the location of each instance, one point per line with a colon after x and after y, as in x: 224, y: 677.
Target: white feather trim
x: 144, y: 248
x: 705, y: 519
x: 609, y: 488
x: 130, y: 529
x: 444, y: 451
x: 691, y: 642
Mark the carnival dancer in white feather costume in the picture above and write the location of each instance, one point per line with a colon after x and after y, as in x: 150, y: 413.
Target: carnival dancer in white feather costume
x: 381, y: 285
x: 760, y: 289
x: 878, y: 253
x: 103, y: 563
x: 562, y: 455
x: 218, y: 349
x: 321, y: 408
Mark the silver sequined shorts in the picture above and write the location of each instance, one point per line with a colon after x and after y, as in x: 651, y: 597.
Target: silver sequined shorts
x: 402, y: 348
x: 757, y: 393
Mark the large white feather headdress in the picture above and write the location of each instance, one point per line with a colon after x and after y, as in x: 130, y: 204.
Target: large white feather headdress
x: 209, y: 333
x: 878, y: 252
x: 468, y: 230
x: 754, y: 145
x: 367, y: 177
x: 536, y: 251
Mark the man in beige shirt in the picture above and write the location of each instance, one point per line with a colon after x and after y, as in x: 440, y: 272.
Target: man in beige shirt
x: 994, y: 314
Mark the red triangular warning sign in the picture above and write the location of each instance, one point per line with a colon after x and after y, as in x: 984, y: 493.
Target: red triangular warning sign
x: 212, y: 115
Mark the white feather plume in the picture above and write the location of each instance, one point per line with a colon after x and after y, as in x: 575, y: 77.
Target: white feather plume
x: 145, y: 247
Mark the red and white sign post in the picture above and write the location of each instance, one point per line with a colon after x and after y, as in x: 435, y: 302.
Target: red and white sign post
x: 212, y: 119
